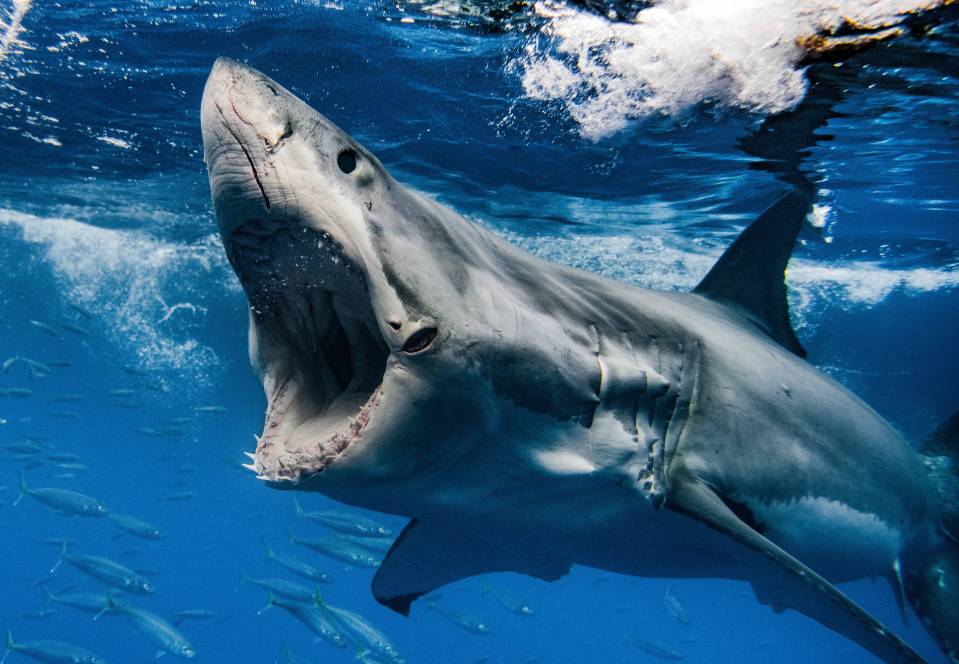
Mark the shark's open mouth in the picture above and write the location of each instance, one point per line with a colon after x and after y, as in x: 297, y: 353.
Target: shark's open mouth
x: 318, y: 347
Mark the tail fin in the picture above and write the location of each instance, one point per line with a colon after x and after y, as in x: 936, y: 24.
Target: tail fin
x: 23, y: 489
x: 111, y: 604
x: 63, y: 552
x: 293, y: 538
x: 934, y: 589
x: 270, y: 603
x: 270, y: 553
x: 48, y: 597
x: 299, y: 508
x: 11, y: 646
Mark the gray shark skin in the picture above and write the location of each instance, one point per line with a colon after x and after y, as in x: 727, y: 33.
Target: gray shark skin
x: 528, y: 416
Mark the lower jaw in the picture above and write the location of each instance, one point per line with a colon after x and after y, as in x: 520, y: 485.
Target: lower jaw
x: 311, y: 448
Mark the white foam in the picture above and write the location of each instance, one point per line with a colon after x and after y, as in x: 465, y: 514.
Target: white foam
x: 124, y: 278
x: 680, y: 54
x: 672, y: 263
x: 13, y: 26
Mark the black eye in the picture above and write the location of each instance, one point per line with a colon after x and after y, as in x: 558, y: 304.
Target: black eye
x: 420, y: 340
x: 346, y: 160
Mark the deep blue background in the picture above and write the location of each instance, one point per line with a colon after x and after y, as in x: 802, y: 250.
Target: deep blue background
x: 126, y: 232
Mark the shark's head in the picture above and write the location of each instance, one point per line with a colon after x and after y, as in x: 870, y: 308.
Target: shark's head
x: 382, y: 325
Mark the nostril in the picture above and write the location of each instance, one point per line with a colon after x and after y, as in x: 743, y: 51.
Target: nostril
x: 346, y: 160
x: 273, y: 90
x: 287, y: 130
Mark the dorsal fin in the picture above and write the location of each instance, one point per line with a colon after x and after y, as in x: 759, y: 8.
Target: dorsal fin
x: 750, y: 275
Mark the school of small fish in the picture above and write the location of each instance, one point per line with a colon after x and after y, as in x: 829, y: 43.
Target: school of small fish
x: 109, y: 589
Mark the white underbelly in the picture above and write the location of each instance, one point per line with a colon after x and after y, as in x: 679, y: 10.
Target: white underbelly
x: 836, y: 540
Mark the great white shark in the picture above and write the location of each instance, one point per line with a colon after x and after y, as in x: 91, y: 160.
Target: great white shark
x: 528, y: 416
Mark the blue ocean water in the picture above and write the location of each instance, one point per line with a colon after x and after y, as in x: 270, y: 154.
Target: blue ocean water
x: 116, y: 284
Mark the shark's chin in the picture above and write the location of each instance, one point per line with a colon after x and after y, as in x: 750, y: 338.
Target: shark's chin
x: 315, y: 342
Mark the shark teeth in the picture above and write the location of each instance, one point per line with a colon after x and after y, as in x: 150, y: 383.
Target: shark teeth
x: 279, y: 463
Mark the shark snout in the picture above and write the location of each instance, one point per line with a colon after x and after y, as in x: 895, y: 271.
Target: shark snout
x: 245, y: 120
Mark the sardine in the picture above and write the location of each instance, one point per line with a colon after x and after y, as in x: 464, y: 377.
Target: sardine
x: 21, y: 392
x: 210, y: 409
x: 460, y: 619
x: 298, y: 566
x: 342, y: 522
x: 106, y: 571
x: 361, y: 631
x: 284, y: 588
x: 339, y: 550
x: 178, y: 495
x: 63, y: 500
x: 657, y: 649
x: 76, y: 329
x: 158, y: 630
x: 315, y: 618
x: 676, y: 610
x: 135, y: 526
x: 53, y: 652
x: 46, y: 329
x: 507, y: 599
x: 94, y: 603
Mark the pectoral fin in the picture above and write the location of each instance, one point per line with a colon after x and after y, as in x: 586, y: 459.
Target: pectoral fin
x: 785, y: 581
x: 428, y: 555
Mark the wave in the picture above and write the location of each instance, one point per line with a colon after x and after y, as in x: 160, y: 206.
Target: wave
x: 678, y: 55
x: 147, y: 294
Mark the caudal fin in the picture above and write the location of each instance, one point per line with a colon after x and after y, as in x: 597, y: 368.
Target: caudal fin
x: 63, y: 553
x: 244, y: 577
x: 934, y: 589
x: 10, y: 646
x: 111, y: 605
x: 23, y: 489
x: 270, y: 603
x: 270, y: 553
